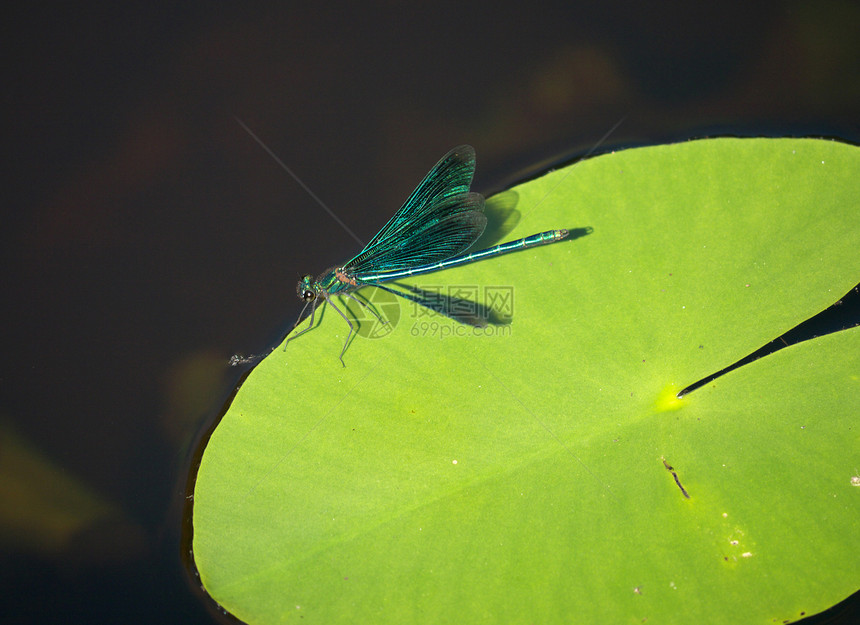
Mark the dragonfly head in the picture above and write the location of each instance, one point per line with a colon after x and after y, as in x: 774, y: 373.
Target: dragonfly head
x: 305, y: 289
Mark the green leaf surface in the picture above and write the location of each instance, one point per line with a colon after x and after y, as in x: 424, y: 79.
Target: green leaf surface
x: 521, y: 474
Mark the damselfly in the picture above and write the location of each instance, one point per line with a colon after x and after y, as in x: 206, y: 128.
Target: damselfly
x: 431, y: 231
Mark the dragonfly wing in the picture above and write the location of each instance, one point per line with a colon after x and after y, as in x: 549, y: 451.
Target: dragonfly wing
x: 442, y: 233
x: 450, y: 177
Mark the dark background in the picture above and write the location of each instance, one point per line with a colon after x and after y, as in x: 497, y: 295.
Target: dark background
x: 146, y: 237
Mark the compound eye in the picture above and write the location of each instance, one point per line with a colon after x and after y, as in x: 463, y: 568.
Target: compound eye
x: 308, y: 295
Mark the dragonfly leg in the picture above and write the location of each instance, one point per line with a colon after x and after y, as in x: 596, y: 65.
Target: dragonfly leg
x: 345, y: 318
x: 366, y: 306
x: 313, y: 305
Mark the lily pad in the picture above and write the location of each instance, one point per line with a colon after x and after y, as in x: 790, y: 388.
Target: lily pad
x: 544, y: 470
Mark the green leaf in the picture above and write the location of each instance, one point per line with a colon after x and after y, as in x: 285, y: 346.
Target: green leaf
x: 522, y: 474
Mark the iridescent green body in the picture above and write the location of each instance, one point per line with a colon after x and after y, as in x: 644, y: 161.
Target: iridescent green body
x: 430, y: 232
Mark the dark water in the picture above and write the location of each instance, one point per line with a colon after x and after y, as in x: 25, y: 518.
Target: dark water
x: 146, y: 238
